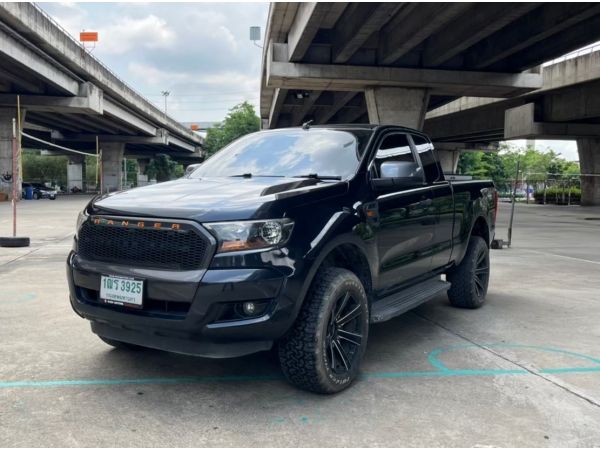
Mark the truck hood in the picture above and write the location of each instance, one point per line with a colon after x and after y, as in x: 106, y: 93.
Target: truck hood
x: 215, y: 199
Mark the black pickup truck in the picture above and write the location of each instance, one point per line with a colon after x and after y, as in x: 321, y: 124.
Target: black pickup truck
x: 298, y: 237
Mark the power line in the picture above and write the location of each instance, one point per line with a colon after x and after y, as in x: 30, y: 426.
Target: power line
x: 209, y: 94
x: 202, y: 102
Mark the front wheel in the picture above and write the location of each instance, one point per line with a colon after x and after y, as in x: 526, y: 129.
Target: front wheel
x: 469, y: 280
x: 323, y: 351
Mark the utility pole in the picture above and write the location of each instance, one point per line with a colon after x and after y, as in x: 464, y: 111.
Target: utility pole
x: 165, y: 94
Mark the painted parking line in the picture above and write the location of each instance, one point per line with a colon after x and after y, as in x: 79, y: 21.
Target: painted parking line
x: 15, y: 297
x: 440, y: 371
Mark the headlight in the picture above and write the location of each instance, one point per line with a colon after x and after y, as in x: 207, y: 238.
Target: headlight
x: 251, y: 235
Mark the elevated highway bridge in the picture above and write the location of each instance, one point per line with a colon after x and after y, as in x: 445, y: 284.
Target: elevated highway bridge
x: 397, y: 62
x: 68, y: 97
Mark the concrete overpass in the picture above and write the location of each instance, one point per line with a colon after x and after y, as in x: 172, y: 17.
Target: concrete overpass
x: 395, y: 62
x: 69, y: 97
x: 567, y: 107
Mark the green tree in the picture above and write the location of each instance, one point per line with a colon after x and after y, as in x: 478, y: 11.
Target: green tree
x: 42, y: 168
x: 534, y: 166
x: 162, y: 167
x: 241, y: 120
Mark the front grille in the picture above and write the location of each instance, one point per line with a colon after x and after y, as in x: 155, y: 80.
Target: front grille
x: 181, y: 249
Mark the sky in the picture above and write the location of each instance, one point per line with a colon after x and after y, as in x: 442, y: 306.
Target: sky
x: 201, y: 53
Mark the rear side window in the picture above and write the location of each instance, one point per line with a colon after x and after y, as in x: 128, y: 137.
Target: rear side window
x: 428, y: 158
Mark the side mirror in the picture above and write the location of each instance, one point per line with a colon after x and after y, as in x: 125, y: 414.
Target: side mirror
x: 189, y: 169
x: 398, y: 175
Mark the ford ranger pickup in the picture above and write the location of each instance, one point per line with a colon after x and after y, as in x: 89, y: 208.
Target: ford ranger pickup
x: 298, y: 238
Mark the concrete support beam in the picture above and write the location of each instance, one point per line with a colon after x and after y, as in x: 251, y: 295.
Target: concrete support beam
x: 397, y: 106
x: 354, y: 78
x: 423, y: 22
x: 574, y: 103
x: 174, y: 141
x: 161, y: 139
x: 484, y: 20
x: 276, y: 104
x: 112, y: 165
x: 589, y: 162
x: 359, y: 21
x: 534, y: 27
x: 7, y: 176
x: 306, y: 24
x: 340, y: 99
x: 21, y: 82
x: 520, y: 123
x: 351, y: 115
x: 91, y: 102
x: 15, y: 51
x: 120, y: 113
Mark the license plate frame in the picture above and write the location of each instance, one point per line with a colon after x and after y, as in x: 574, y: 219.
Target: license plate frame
x: 121, y: 291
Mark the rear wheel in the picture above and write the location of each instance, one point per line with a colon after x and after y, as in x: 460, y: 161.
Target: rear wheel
x: 323, y: 351
x: 36, y: 196
x: 471, y: 277
x: 120, y: 345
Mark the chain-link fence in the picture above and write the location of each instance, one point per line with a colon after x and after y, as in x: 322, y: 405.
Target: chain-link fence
x: 554, y: 189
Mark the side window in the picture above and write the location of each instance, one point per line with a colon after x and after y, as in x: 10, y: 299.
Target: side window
x: 428, y: 157
x: 394, y: 158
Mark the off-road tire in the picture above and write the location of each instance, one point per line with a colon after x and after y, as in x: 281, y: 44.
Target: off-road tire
x: 468, y: 286
x: 120, y: 345
x: 305, y: 354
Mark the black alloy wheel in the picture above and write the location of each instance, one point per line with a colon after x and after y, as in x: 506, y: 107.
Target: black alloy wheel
x: 470, y: 279
x: 344, y: 334
x: 323, y: 350
x: 481, y: 274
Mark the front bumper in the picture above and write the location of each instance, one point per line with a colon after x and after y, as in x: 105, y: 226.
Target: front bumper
x: 188, y: 311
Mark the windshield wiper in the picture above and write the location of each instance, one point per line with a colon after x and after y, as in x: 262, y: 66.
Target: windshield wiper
x: 249, y: 175
x: 318, y: 177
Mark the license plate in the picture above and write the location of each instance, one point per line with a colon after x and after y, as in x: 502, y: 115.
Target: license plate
x: 121, y: 291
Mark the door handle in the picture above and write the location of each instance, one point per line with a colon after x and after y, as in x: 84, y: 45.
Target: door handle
x: 427, y: 202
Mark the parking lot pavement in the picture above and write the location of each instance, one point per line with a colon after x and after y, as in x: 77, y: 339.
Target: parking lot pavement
x: 524, y: 370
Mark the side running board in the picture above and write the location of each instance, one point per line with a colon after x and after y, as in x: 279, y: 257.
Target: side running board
x: 407, y: 299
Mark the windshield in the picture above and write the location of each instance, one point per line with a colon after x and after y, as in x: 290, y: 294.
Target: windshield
x: 289, y: 153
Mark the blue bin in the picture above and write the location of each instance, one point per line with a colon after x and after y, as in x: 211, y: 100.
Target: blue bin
x: 29, y: 193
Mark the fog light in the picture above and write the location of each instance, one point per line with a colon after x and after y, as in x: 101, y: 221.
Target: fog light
x: 249, y: 308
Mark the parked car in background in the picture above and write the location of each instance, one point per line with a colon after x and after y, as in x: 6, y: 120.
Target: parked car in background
x: 39, y: 191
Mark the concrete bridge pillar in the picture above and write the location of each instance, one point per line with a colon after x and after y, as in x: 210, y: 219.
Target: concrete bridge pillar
x: 589, y: 163
x: 112, y: 165
x: 6, y: 152
x: 397, y: 106
x: 142, y: 178
x: 76, y: 173
x: 449, y: 160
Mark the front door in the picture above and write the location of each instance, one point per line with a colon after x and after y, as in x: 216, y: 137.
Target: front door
x: 406, y: 216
